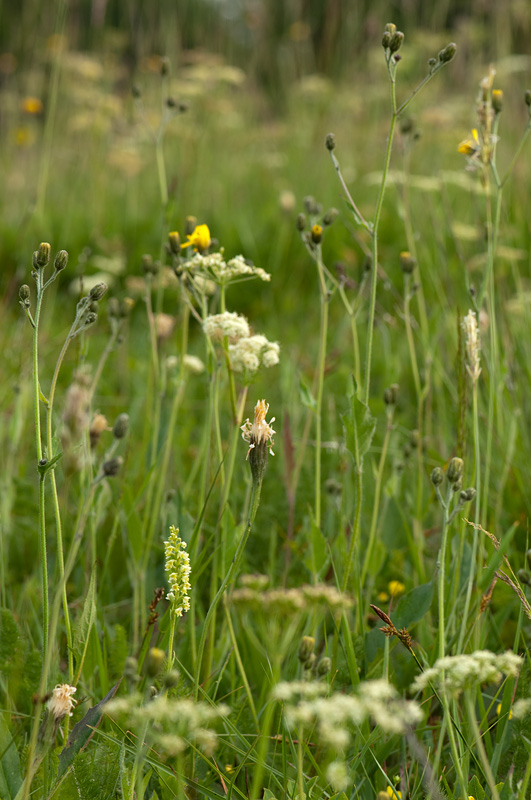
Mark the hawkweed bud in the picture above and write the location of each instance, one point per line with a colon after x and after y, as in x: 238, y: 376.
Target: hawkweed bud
x: 190, y: 225
x: 112, y: 467
x: 467, y: 495
x: 407, y: 262
x: 148, y: 265
x: 330, y: 142
x: 386, y: 39
x: 42, y: 255
x: 155, y: 661
x: 447, y: 53
x: 97, y: 292
x: 306, y: 648
x: 330, y: 217
x: 311, y: 205
x: 323, y: 667
x: 527, y: 97
x: 437, y: 476
x: 175, y: 243
x: 301, y: 222
x: 497, y: 100
x: 390, y: 28
x: 60, y: 261
x: 171, y: 679
x: 432, y: 62
x: 390, y: 395
x: 24, y: 294
x: 455, y: 470
x: 93, y: 306
x: 90, y: 319
x: 121, y: 426
x: 317, y: 234
x: 397, y: 39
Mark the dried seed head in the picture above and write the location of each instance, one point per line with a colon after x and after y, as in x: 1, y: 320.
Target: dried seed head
x: 259, y: 434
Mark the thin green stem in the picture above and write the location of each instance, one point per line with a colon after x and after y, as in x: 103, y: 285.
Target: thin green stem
x: 320, y: 384
x: 487, y: 771
x: 442, y: 573
x: 376, y: 504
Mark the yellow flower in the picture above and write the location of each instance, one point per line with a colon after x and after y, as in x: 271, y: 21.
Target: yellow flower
x: 395, y: 794
x: 199, y: 238
x: 470, y: 146
x: 383, y: 597
x: 395, y: 587
x: 31, y: 105
x: 498, y: 710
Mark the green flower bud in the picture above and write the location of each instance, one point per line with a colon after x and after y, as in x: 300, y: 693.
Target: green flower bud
x: 455, y: 470
x: 190, y: 225
x: 330, y: 142
x: 391, y: 395
x: 524, y: 576
x: 112, y: 467
x: 121, y: 426
x: 527, y: 97
x: 386, y: 39
x: 497, y: 100
x: 301, y: 222
x: 155, y: 661
x: 437, y: 476
x: 323, y: 667
x: 467, y: 495
x: 175, y: 243
x: 447, y: 54
x: 432, y: 62
x: 42, y: 255
x: 97, y: 292
x: 60, y: 261
x: 24, y: 294
x: 407, y: 262
x: 306, y: 648
x: 90, y: 319
x: 397, y: 40
x: 330, y: 217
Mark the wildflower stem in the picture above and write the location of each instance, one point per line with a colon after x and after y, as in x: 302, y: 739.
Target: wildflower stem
x: 239, y: 661
x: 374, y: 248
x: 320, y: 383
x: 487, y: 771
x: 377, y: 493
x: 235, y: 563
x: 442, y: 572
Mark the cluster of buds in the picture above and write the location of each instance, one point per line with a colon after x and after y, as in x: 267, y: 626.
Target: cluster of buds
x: 313, y: 666
x: 392, y: 41
x: 312, y: 236
x: 454, y: 475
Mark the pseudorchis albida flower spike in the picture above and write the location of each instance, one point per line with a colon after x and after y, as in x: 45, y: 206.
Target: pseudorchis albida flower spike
x: 259, y: 434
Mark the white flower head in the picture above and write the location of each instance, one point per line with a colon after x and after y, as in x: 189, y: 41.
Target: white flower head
x: 61, y: 702
x: 233, y: 326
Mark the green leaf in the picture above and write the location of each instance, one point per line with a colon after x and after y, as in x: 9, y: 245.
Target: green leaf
x: 306, y: 395
x: 316, y: 560
x: 84, y: 624
x: 10, y: 774
x: 83, y: 731
x: 475, y: 789
x: 359, y: 425
x: 413, y: 606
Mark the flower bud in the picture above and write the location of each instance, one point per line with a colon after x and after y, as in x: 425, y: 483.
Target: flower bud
x: 432, y: 62
x: 42, y: 255
x: 175, y: 243
x: 301, y: 222
x: 447, y: 54
x: 306, y: 648
x: 155, y: 661
x: 524, y: 576
x: 24, y: 294
x: 386, y: 39
x: 112, y: 467
x: 497, y: 100
x: 97, y: 292
x: 121, y: 426
x: 390, y: 396
x: 330, y: 217
x: 527, y: 97
x: 467, y: 495
x: 455, y: 470
x: 60, y: 261
x: 317, y: 234
x: 330, y: 142
x: 407, y: 262
x: 148, y: 265
x: 437, y: 476
x: 390, y: 28
x: 323, y: 667
x: 136, y: 92
x: 310, y: 204
x: 90, y: 319
x: 397, y: 39
x: 190, y: 225
x: 171, y: 679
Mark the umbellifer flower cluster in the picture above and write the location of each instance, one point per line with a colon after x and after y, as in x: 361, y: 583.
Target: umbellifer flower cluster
x: 453, y: 674
x: 249, y: 353
x: 230, y: 324
x: 331, y: 718
x: 214, y: 267
x: 177, y: 566
x: 290, y: 601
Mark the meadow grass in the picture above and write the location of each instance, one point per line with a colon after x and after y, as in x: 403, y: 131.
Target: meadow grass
x: 264, y: 517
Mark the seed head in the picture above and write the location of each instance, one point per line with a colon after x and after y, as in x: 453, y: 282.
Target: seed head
x: 61, y: 702
x: 259, y: 434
